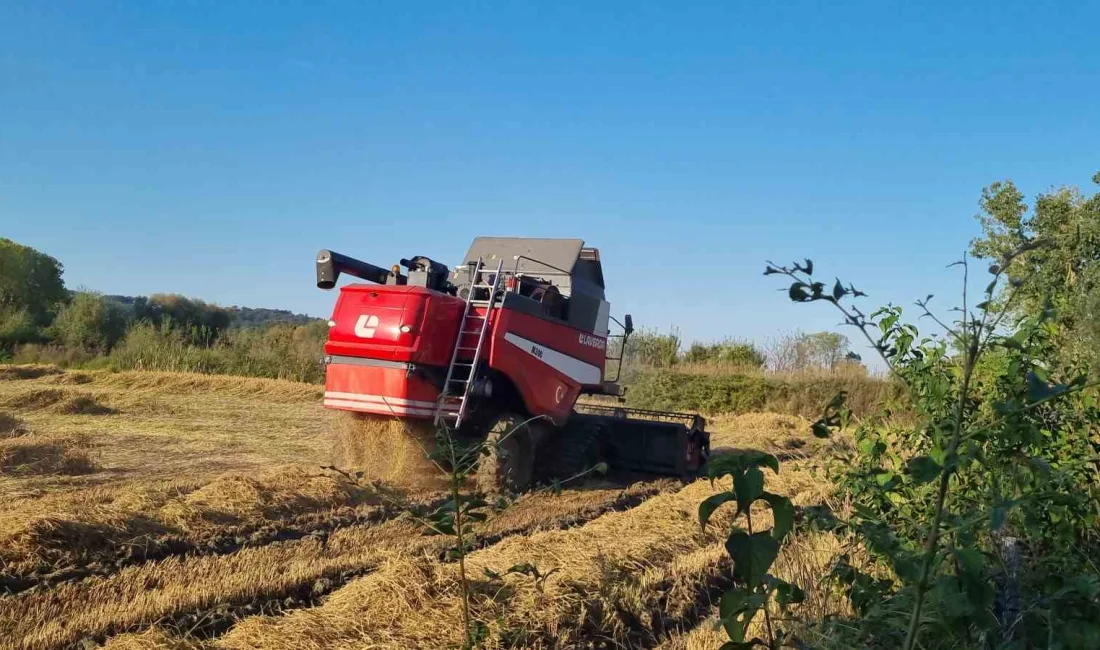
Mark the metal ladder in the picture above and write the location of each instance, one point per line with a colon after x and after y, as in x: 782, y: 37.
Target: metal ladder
x: 455, y: 389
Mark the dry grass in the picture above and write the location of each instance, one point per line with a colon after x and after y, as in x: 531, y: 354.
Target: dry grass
x: 193, y: 458
x: 26, y: 371
x: 620, y: 577
x: 387, y: 449
x: 601, y: 568
x: 787, y: 436
x: 86, y: 480
x: 28, y: 455
x: 146, y: 593
x: 11, y: 426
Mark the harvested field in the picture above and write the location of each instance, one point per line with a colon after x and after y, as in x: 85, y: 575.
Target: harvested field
x: 200, y: 517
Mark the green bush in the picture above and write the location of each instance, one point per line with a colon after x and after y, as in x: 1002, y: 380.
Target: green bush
x: 148, y: 347
x: 647, y: 348
x: 17, y: 327
x: 278, y: 351
x: 89, y: 322
x: 732, y: 353
x: 977, y: 517
x: 742, y: 393
x: 53, y: 355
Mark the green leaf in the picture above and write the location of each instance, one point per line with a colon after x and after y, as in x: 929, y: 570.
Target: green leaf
x: 883, y: 478
x: 748, y: 487
x: 809, y: 267
x: 1040, y: 464
x: 753, y: 555
x: 783, y: 513
x: 441, y: 529
x: 708, y: 506
x: 475, y: 503
x: 735, y: 464
x: 923, y: 469
x: 724, y: 465
x: 758, y: 459
x: 970, y: 559
x: 1037, y: 387
x: 732, y: 609
x: 788, y: 594
x: 736, y: 609
x: 838, y: 290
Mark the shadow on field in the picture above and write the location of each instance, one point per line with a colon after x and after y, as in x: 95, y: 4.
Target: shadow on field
x: 27, y: 372
x: 25, y: 455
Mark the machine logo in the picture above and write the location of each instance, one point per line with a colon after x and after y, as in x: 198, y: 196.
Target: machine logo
x: 365, y: 326
x: 592, y: 341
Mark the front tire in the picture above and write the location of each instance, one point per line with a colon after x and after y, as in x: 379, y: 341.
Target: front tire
x: 509, y: 465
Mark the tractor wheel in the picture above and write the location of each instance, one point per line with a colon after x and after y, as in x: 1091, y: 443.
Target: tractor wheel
x: 510, y: 462
x: 576, y: 448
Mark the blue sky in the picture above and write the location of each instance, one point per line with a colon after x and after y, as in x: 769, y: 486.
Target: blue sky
x: 210, y: 149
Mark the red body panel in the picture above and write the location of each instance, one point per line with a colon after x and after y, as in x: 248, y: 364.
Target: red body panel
x: 369, y: 319
x: 380, y: 390
x: 546, y: 361
x: 368, y: 352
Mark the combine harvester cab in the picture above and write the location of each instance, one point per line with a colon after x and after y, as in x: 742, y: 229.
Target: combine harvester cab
x: 508, y: 340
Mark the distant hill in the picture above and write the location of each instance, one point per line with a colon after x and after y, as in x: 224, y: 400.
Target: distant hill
x: 246, y: 316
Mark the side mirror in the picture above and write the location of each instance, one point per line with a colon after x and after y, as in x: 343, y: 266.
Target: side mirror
x: 629, y: 327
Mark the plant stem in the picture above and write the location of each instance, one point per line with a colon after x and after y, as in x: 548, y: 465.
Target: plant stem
x: 767, y: 616
x: 462, y: 562
x: 931, y: 545
x: 461, y: 540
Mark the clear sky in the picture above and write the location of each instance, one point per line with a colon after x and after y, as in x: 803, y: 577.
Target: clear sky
x: 211, y: 148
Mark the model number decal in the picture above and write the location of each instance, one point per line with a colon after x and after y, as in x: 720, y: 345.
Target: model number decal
x: 592, y: 341
x: 572, y: 367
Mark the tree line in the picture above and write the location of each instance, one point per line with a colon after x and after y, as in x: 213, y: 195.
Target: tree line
x: 42, y: 321
x: 37, y: 308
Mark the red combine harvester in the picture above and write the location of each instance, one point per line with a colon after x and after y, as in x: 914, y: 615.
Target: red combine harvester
x: 518, y: 331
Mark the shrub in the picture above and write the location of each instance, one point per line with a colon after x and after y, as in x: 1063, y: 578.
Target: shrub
x: 53, y: 355
x: 648, y: 348
x: 17, y: 327
x: 89, y: 322
x: 980, y: 514
x: 731, y: 352
x: 742, y: 393
x: 148, y: 347
x: 278, y: 351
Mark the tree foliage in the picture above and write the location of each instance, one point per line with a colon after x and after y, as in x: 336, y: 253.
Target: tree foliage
x: 31, y: 290
x: 1065, y: 271
x: 800, y: 352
